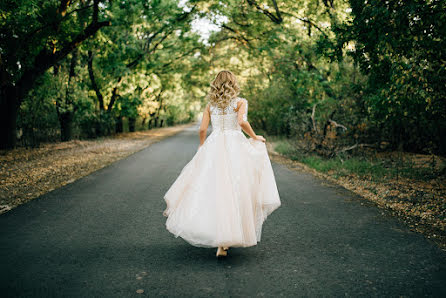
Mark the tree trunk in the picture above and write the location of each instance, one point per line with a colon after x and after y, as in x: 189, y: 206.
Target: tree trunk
x: 114, y: 96
x: 66, y: 121
x: 143, y: 123
x: 119, y: 127
x: 65, y: 115
x: 8, y: 116
x: 94, y: 85
x: 132, y: 122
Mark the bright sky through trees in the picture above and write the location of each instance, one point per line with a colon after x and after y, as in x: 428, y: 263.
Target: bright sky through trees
x: 204, y: 26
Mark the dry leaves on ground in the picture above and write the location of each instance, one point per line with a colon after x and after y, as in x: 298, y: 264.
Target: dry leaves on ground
x: 421, y: 204
x: 28, y: 173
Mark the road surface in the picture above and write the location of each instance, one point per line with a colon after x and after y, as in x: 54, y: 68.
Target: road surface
x: 104, y: 236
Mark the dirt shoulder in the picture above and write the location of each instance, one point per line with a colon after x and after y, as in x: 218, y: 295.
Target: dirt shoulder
x: 26, y: 174
x: 420, y: 204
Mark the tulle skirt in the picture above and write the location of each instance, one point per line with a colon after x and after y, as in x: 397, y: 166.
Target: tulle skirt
x: 224, y: 194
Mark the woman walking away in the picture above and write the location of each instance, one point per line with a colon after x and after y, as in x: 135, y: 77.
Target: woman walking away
x: 224, y: 194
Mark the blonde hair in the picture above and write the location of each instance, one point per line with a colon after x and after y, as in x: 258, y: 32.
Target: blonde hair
x: 223, y: 89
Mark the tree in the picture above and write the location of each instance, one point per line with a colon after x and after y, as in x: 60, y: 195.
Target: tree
x: 144, y: 40
x: 401, y: 46
x: 35, y: 36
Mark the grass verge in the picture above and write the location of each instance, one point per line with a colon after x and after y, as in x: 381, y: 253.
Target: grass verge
x: 411, y: 186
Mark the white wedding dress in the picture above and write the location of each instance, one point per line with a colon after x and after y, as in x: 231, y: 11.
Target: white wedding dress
x: 225, y: 193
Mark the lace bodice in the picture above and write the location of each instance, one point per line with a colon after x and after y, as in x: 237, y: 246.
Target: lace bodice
x: 226, y: 119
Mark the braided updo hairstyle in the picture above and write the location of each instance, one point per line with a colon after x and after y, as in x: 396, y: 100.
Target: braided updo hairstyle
x: 223, y: 89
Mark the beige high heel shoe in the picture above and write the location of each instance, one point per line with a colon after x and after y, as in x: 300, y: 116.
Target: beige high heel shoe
x: 221, y: 252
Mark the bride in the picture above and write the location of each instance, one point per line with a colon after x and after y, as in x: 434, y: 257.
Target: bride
x: 224, y: 194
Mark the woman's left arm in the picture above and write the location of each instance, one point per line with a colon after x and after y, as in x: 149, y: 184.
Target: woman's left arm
x: 204, y: 125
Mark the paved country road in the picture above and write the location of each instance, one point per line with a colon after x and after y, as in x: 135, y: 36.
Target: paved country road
x: 104, y: 236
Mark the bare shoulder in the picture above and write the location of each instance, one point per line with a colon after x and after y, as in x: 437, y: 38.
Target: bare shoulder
x: 208, y: 107
x: 240, y: 101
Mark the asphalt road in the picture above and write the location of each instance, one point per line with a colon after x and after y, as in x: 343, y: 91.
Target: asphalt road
x: 104, y: 236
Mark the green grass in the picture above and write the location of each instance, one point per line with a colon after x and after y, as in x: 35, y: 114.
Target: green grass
x: 343, y: 167
x: 284, y: 148
x: 376, y: 169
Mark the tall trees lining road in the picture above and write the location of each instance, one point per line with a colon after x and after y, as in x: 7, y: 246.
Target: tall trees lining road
x: 39, y: 35
x: 339, y: 73
x: 331, y: 73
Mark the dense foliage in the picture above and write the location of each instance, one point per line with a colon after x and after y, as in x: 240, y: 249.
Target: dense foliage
x: 335, y: 75
x: 339, y: 75
x: 401, y: 46
x: 79, y: 68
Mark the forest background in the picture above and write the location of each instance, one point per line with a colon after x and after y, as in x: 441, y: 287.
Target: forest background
x: 329, y: 77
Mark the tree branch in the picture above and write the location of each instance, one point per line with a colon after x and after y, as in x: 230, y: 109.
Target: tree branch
x: 114, y: 96
x: 308, y: 21
x: 45, y: 59
x: 71, y: 74
x: 182, y: 56
x: 337, y: 124
x: 55, y: 22
x: 276, y: 19
x: 95, y: 11
x: 62, y: 10
x: 328, y: 3
x: 242, y: 38
x: 313, y: 112
x: 89, y: 31
x: 152, y: 37
x: 277, y: 10
x: 138, y: 59
x: 93, y: 81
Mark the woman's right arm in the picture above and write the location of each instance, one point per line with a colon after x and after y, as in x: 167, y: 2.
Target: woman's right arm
x: 244, y: 124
